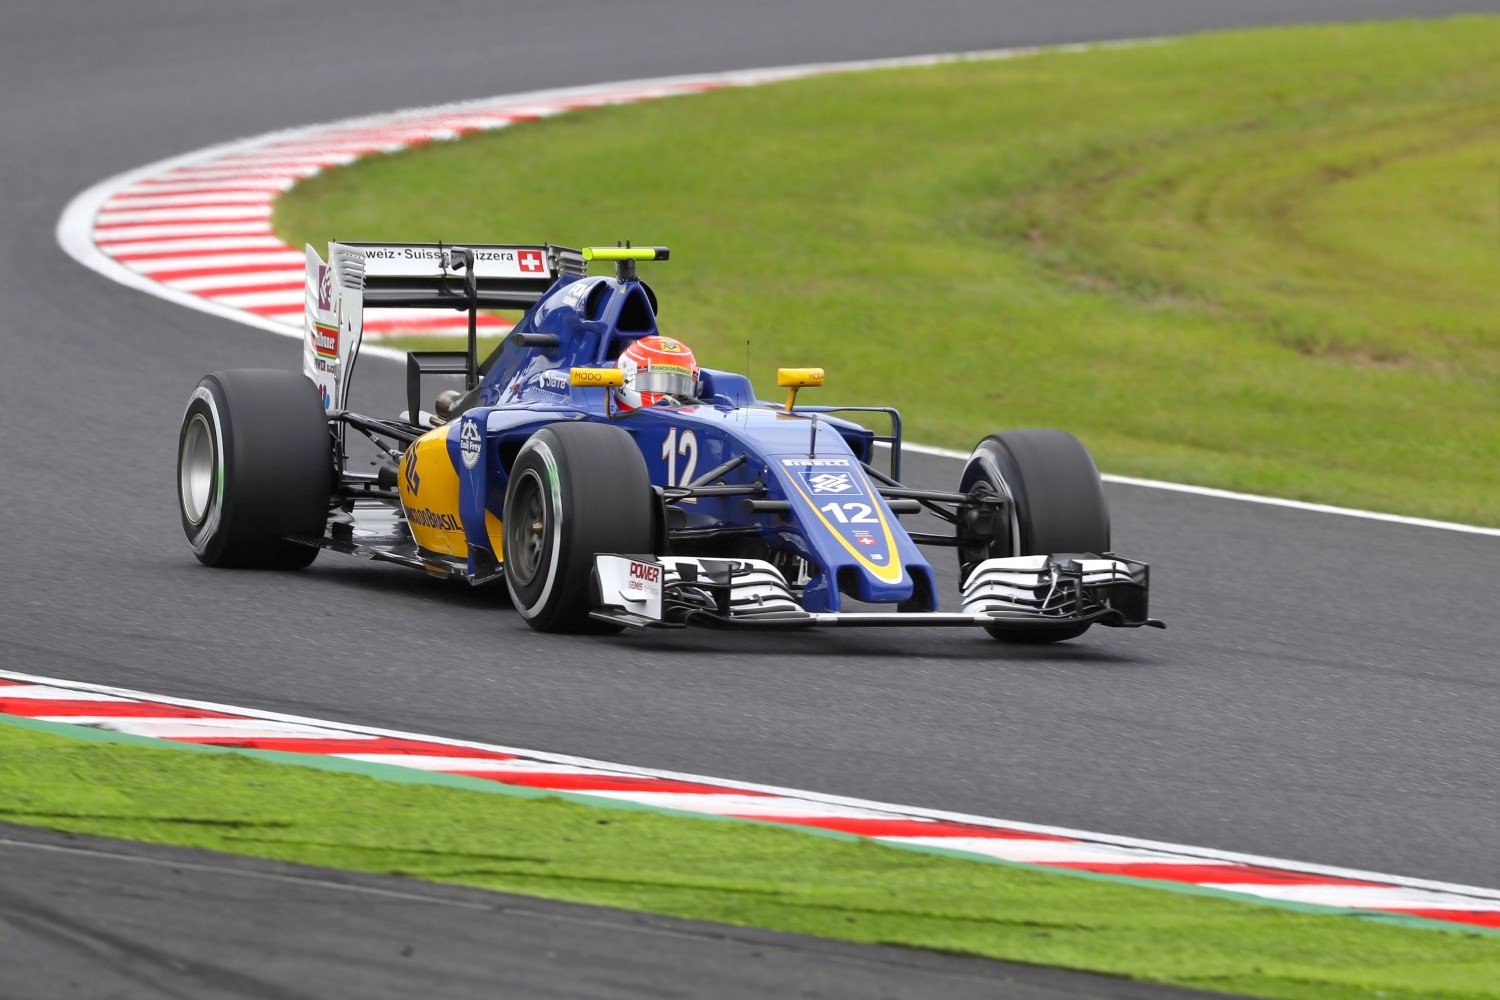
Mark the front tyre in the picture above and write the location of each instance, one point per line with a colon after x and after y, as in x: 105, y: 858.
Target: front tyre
x: 1057, y: 506
x: 254, y: 466
x: 575, y: 490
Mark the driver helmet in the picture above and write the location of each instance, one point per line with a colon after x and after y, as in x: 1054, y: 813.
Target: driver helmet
x: 656, y: 368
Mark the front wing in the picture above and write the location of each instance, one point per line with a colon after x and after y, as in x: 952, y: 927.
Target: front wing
x: 1025, y: 592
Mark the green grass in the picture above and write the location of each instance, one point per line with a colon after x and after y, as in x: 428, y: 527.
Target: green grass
x: 1266, y: 261
x: 726, y: 871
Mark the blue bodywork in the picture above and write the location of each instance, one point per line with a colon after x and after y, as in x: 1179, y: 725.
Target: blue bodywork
x: 838, y: 523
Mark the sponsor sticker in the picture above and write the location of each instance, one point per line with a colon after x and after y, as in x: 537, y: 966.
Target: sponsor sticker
x: 830, y: 482
x: 432, y: 519
x: 325, y: 288
x: 819, y: 463
x: 645, y: 573
x: 643, y: 582
x: 413, y: 481
x: 397, y: 260
x: 325, y: 340
x: 589, y: 376
x: 470, y: 443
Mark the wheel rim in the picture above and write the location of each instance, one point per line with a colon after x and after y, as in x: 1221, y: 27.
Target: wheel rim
x: 526, y: 528
x: 995, y: 480
x: 989, y: 478
x: 197, y: 468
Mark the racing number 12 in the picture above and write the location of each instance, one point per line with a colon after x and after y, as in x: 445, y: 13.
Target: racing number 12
x: 688, y: 449
x: 859, y: 513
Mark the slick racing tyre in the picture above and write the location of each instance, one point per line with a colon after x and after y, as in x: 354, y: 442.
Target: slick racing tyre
x: 575, y: 490
x: 1057, y: 501
x: 254, y: 465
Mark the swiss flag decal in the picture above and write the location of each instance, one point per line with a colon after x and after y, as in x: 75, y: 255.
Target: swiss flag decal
x: 530, y: 261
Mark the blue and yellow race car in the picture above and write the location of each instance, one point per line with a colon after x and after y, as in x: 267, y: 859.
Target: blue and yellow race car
x: 610, y: 481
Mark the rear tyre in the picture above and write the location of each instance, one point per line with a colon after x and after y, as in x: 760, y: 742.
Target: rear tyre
x: 254, y: 465
x: 1058, y: 506
x: 575, y: 490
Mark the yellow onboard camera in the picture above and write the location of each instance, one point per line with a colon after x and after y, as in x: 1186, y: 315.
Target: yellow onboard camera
x: 625, y: 258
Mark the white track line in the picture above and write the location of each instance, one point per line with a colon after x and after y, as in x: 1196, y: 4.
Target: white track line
x: 1209, y: 491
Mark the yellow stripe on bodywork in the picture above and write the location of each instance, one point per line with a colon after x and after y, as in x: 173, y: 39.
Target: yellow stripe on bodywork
x: 496, y: 532
x: 890, y: 573
x: 432, y: 508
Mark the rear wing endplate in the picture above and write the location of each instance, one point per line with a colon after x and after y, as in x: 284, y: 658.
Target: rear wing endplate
x: 415, y: 276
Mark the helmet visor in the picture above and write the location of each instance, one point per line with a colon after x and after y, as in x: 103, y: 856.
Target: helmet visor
x: 670, y: 380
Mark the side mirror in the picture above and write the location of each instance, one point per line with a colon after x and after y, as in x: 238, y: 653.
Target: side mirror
x: 604, y: 378
x: 798, y: 378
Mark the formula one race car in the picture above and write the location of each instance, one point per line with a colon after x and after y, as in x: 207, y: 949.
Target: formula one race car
x: 610, y: 482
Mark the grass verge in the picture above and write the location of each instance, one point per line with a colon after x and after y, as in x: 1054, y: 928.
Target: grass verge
x: 726, y: 871
x: 1267, y: 261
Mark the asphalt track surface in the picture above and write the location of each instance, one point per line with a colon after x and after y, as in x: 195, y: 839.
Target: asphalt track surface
x: 160, y: 922
x: 1326, y: 692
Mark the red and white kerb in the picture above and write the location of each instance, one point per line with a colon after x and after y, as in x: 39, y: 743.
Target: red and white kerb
x: 204, y: 227
x: 173, y: 720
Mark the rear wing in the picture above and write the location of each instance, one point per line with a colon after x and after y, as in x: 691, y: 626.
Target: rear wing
x: 414, y: 276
